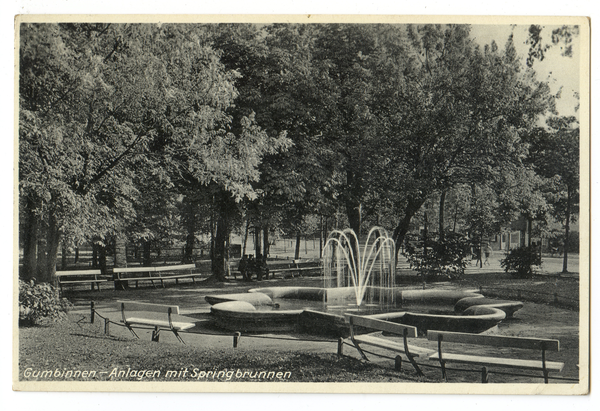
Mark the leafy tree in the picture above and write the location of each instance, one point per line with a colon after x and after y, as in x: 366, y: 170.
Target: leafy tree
x: 280, y: 84
x: 554, y: 154
x: 538, y: 48
x: 98, y: 99
x: 457, y: 114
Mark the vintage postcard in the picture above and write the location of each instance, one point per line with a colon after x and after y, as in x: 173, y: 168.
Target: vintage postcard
x: 302, y: 204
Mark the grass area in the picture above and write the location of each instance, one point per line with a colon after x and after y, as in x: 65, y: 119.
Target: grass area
x: 543, y: 289
x: 75, y: 344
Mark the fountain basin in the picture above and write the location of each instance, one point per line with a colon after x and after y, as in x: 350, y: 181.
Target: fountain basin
x: 475, y: 320
x: 244, y: 317
x: 239, y: 312
x: 300, y: 293
x: 509, y: 307
x: 256, y: 299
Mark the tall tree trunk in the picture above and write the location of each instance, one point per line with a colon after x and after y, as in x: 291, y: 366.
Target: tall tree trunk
x: 224, y: 206
x: 102, y: 258
x: 404, y: 224
x: 321, y: 238
x: 120, y: 260
x: 95, y: 249
x: 354, y: 216
x: 51, y: 254
x: 30, y: 238
x: 257, y: 248
x: 567, y: 228
x: 425, y: 232
x: 146, y: 254
x: 297, y: 251
x: 63, y: 257
x: 120, y: 251
x: 190, y: 226
x: 265, y: 243
x: 455, y: 216
x: 352, y: 202
x: 245, y: 240
x: 42, y: 254
x: 441, y: 216
x: 529, y: 231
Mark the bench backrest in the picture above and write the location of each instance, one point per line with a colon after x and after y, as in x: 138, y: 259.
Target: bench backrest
x: 175, y: 267
x: 153, y: 269
x: 381, y: 325
x: 494, y: 340
x: 133, y: 269
x: 158, y: 308
x: 77, y: 272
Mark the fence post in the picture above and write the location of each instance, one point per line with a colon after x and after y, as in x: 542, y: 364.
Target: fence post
x: 106, y: 326
x: 236, y: 338
x: 398, y: 363
x: 92, y: 312
x: 340, y: 348
x: 484, y: 375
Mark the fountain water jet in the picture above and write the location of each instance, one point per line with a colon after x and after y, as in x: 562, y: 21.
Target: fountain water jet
x: 367, y: 273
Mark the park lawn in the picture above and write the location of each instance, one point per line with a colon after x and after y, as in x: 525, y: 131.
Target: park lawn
x: 75, y: 344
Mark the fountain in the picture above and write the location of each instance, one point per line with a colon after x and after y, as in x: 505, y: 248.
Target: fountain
x: 368, y: 271
x: 357, y: 279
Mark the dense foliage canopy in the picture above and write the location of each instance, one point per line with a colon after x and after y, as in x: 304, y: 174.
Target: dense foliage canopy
x: 157, y: 131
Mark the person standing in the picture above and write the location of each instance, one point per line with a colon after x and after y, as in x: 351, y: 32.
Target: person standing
x: 488, y: 253
x: 243, y: 267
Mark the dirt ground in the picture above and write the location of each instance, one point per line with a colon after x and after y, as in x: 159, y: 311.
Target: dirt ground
x: 533, y: 320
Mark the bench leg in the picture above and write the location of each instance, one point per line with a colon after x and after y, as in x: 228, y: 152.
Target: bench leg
x: 155, y: 334
x: 410, y: 357
x: 360, y: 351
x: 443, y: 366
x: 442, y: 362
x: 398, y: 363
x: 340, y: 347
x: 178, y: 337
x: 132, y: 331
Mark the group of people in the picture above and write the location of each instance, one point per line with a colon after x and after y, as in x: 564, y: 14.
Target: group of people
x: 487, y: 250
x: 249, y: 267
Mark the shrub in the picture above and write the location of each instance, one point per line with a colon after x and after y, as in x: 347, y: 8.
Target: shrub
x: 40, y: 302
x: 447, y: 258
x: 520, y: 261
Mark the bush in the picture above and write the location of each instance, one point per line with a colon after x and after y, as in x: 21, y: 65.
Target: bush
x: 520, y: 262
x: 447, y: 258
x: 40, y: 302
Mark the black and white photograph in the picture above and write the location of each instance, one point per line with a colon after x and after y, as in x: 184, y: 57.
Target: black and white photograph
x: 387, y: 204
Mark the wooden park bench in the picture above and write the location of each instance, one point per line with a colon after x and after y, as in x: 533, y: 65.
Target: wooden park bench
x: 296, y: 268
x: 145, y: 314
x: 152, y: 274
x: 495, y: 341
x: 406, y: 331
x: 93, y: 277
